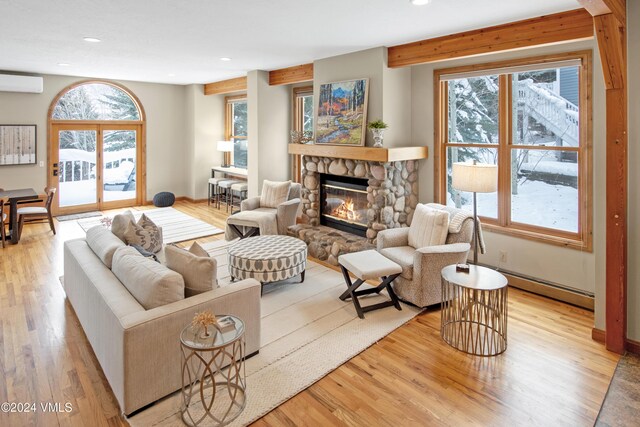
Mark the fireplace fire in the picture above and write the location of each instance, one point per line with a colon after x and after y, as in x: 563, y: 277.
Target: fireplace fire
x: 344, y: 203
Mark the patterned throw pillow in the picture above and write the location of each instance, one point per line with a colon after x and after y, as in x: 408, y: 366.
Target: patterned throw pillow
x: 145, y: 234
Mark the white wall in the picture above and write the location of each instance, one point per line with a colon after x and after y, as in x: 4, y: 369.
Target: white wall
x: 205, y: 127
x: 269, y: 117
x: 567, y: 267
x: 633, y: 283
x: 165, y: 109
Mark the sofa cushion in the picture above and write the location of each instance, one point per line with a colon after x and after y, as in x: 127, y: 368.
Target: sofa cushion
x: 151, y: 283
x: 119, y: 224
x: 429, y: 227
x: 198, y: 250
x: 402, y: 255
x: 103, y: 243
x: 144, y: 233
x: 274, y: 193
x: 199, y: 272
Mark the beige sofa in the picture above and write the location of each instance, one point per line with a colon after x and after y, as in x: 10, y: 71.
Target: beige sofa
x: 138, y: 349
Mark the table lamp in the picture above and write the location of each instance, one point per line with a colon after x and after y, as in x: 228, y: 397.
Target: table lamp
x: 226, y: 147
x: 476, y: 178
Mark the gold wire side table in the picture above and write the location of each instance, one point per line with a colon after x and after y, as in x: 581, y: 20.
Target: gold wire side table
x: 213, y: 374
x: 474, y: 310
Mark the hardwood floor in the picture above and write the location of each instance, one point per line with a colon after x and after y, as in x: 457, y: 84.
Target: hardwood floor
x: 551, y: 374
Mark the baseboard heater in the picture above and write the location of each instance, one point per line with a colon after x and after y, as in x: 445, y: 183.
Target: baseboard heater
x: 548, y: 289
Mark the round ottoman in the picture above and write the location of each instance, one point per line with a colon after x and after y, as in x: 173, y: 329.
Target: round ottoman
x: 268, y: 258
x: 164, y: 199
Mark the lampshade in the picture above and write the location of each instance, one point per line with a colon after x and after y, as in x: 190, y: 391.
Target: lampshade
x: 225, y: 146
x: 475, y: 178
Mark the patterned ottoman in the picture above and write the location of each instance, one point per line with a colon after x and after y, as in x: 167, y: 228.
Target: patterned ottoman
x: 268, y: 258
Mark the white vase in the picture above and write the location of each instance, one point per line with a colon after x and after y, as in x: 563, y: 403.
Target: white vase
x: 378, y: 136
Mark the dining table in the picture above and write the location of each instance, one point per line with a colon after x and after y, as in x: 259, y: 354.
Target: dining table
x: 14, y: 197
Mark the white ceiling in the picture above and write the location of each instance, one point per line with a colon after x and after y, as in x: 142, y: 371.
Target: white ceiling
x: 147, y: 40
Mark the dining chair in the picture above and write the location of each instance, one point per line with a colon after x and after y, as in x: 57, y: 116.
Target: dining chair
x: 3, y: 217
x: 32, y: 213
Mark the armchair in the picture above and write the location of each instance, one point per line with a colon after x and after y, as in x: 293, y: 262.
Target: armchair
x: 270, y: 218
x: 420, y: 281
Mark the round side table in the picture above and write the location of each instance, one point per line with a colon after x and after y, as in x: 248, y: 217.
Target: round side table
x: 213, y: 374
x: 474, y: 310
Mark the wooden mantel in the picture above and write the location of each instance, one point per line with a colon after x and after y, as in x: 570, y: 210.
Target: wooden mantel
x: 368, y: 154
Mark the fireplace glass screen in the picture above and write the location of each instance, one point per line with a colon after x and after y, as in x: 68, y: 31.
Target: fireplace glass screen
x: 344, y: 204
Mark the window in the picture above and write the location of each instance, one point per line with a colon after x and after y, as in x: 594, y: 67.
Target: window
x: 531, y: 118
x: 236, y: 128
x: 302, y: 120
x: 96, y: 101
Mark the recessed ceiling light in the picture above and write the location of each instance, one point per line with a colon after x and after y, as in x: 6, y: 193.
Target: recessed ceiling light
x: 91, y: 40
x: 419, y: 2
x: 171, y: 75
x: 225, y: 58
x: 63, y: 64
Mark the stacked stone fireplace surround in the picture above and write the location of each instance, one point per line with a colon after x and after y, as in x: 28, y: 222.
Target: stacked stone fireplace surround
x: 392, y: 196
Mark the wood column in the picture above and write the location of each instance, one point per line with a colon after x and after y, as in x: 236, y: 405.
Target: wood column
x: 610, y: 25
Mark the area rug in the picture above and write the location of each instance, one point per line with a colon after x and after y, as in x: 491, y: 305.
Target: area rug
x: 71, y: 217
x: 307, y: 332
x: 176, y: 226
x: 621, y: 406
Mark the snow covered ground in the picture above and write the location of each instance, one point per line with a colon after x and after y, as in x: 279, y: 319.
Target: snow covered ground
x: 537, y: 203
x: 74, y: 193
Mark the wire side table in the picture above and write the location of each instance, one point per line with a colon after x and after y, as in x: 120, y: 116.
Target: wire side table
x: 213, y: 375
x: 474, y: 310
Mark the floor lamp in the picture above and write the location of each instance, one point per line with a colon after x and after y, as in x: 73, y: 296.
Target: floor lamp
x: 475, y: 178
x: 226, y: 147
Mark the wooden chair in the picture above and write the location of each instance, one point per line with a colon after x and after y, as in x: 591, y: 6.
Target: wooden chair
x: 34, y: 213
x: 3, y: 217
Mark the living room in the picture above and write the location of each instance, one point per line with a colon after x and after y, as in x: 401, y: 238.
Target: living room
x: 554, y: 223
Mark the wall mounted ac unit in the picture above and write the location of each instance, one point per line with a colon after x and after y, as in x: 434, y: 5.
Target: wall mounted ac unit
x: 27, y: 84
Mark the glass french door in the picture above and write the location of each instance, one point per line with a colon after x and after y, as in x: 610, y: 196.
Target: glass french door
x: 94, y: 166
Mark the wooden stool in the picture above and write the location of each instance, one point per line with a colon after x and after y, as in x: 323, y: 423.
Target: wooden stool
x: 213, y: 188
x: 225, y: 188
x: 241, y: 189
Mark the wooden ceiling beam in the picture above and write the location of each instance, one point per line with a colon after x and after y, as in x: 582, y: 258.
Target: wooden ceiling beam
x: 549, y: 29
x: 290, y: 75
x: 226, y: 86
x: 603, y: 7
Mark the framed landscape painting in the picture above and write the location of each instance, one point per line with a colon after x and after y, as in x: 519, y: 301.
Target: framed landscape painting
x: 342, y: 112
x: 17, y: 145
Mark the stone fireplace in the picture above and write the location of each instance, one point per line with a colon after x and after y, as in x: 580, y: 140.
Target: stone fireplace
x: 349, y: 194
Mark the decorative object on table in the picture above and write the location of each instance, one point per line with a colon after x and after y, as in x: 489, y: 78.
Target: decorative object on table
x: 377, y: 128
x: 227, y: 148
x: 164, y: 199
x: 213, y: 375
x: 225, y: 324
x: 474, y: 310
x: 18, y: 145
x: 202, y: 321
x: 106, y: 222
x: 462, y: 268
x: 342, y: 112
x: 476, y: 178
x: 301, y: 137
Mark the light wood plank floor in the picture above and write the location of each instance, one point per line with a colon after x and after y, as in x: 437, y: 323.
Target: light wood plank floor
x: 551, y: 374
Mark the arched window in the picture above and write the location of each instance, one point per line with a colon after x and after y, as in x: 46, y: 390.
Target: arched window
x: 97, y: 148
x: 96, y: 101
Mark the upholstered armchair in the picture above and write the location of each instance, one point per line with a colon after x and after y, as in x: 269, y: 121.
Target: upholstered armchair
x: 420, y: 281
x: 285, y: 212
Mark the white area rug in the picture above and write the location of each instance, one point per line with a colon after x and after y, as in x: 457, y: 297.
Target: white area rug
x: 307, y: 332
x: 176, y: 226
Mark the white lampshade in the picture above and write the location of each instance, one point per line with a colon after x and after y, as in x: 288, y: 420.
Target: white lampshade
x: 475, y: 178
x: 225, y: 146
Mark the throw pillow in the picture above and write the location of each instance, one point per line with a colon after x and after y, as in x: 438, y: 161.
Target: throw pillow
x: 151, y: 283
x: 199, y: 272
x: 103, y: 243
x: 429, y: 227
x: 145, y: 233
x: 274, y: 193
x: 119, y: 224
x: 198, y: 250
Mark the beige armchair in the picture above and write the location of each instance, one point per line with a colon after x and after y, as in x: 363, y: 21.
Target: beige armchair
x: 420, y: 282
x: 269, y: 218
